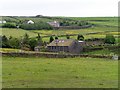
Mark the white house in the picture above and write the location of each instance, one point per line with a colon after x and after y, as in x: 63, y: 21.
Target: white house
x: 30, y: 22
x: 2, y: 22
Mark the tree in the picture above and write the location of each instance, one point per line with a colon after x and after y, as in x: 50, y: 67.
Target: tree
x: 110, y: 39
x: 39, y: 39
x: 4, y: 38
x: 10, y: 37
x: 36, y: 26
x: 5, y: 42
x: 32, y: 42
x: 67, y: 36
x: 80, y: 37
x: 56, y: 37
x: 51, y: 39
x: 14, y: 43
x: 25, y: 39
x: 0, y: 41
x: 9, y: 25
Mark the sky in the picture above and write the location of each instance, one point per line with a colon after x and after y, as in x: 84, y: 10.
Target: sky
x: 71, y: 8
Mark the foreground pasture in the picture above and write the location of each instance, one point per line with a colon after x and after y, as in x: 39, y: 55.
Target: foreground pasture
x: 19, y: 72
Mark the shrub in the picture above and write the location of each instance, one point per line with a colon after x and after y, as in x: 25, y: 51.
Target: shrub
x: 39, y: 40
x: 110, y: 39
x: 68, y: 36
x: 9, y: 25
x: 36, y: 26
x: 51, y: 39
x: 14, y: 42
x: 5, y: 43
x: 56, y: 37
x: 32, y: 42
x: 80, y: 37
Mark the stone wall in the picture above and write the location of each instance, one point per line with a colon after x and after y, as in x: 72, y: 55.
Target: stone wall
x: 14, y: 54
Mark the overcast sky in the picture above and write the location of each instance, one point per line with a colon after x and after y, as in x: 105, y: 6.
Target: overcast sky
x: 73, y: 8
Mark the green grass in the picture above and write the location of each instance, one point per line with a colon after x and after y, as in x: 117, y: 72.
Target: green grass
x: 77, y: 31
x: 104, y: 52
x: 34, y: 72
x: 16, y: 32
x: 101, y: 32
x: 101, y: 28
x: 102, y: 21
x: 33, y: 33
x: 10, y: 50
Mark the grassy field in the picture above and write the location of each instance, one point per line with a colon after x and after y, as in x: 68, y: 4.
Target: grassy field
x: 33, y: 72
x: 109, y: 21
x: 9, y: 50
x: 78, y: 31
x: 103, y: 26
x: 105, y: 51
x: 100, y: 32
x: 16, y: 32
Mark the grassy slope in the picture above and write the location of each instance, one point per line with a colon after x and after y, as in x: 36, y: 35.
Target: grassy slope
x: 16, y: 32
x: 69, y: 72
x: 101, y: 23
x: 101, y: 32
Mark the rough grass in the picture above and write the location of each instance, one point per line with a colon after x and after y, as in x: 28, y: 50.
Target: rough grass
x: 34, y: 72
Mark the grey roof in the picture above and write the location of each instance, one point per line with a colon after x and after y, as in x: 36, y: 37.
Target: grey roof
x: 61, y: 42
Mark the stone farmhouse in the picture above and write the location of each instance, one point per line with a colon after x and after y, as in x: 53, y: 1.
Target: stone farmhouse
x: 54, y: 24
x: 67, y: 45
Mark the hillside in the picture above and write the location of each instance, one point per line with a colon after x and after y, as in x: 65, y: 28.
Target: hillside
x: 101, y: 27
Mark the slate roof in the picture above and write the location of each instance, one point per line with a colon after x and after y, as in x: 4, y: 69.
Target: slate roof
x: 61, y: 42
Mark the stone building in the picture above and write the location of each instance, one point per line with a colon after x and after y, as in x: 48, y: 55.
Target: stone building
x: 54, y: 24
x: 67, y: 45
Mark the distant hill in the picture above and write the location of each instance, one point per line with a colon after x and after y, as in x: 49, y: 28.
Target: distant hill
x: 64, y: 21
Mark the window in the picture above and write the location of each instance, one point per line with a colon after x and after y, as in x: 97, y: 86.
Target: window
x: 55, y: 47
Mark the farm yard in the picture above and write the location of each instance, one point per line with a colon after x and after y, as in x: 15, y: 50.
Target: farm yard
x: 43, y: 72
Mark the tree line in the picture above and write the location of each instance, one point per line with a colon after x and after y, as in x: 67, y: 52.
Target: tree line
x: 26, y: 42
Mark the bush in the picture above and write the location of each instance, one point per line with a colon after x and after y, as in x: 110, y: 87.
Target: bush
x: 56, y: 37
x: 36, y: 26
x: 51, y: 39
x: 110, y: 39
x: 9, y: 25
x: 67, y: 36
x: 32, y: 42
x: 80, y: 37
x: 14, y: 43
x: 5, y: 43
